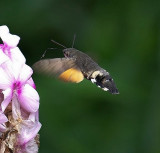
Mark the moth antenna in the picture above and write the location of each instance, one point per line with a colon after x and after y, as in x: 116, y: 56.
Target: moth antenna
x: 46, y: 51
x: 74, y: 38
x: 58, y: 44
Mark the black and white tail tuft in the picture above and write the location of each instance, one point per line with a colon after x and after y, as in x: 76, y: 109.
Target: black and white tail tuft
x: 106, y: 83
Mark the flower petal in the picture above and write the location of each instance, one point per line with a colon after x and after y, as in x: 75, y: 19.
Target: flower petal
x: 37, y: 115
x: 16, y: 55
x: 31, y: 83
x: 15, y: 72
x: 13, y: 69
x: 32, y: 117
x: 28, y: 131
x: 29, y: 98
x: 31, y: 146
x: 3, y: 30
x: 3, y: 57
x: 2, y: 128
x: 10, y: 40
x: 6, y: 75
x: 16, y: 112
x: 3, y: 118
x: 25, y: 73
x: 7, y: 98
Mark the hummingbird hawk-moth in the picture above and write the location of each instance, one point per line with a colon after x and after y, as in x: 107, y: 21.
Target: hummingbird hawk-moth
x: 74, y: 67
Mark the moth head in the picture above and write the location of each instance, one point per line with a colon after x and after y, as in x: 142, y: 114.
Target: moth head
x: 70, y: 52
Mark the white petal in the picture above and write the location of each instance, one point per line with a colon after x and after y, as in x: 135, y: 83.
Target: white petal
x: 29, y: 99
x: 25, y: 73
x: 37, y: 115
x: 3, y: 118
x: 3, y: 57
x: 16, y: 112
x: 28, y: 131
x: 7, y: 98
x: 6, y: 78
x: 17, y: 71
x: 16, y: 55
x: 3, y: 30
x: 31, y: 146
x: 2, y: 128
x: 31, y: 83
x: 32, y: 117
x: 13, y: 69
x: 10, y: 40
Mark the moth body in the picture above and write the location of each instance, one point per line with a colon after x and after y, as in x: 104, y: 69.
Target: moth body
x: 75, y: 66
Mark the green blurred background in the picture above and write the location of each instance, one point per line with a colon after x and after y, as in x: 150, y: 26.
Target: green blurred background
x: 124, y: 38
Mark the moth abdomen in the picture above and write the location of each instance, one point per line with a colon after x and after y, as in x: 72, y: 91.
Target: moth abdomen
x: 104, y: 81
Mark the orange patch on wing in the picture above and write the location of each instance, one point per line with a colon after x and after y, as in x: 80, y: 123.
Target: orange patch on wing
x: 72, y: 75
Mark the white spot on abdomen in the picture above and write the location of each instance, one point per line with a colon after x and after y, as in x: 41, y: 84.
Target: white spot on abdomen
x: 105, y: 89
x: 93, y: 80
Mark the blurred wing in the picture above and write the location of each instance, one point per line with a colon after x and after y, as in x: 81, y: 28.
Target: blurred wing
x: 64, y: 68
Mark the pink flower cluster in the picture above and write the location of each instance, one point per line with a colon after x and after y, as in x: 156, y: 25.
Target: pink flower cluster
x: 19, y: 101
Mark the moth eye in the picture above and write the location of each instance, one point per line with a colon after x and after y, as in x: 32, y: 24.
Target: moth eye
x: 66, y: 54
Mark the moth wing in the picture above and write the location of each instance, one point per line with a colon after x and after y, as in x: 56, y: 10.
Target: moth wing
x: 72, y: 75
x: 64, y: 68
